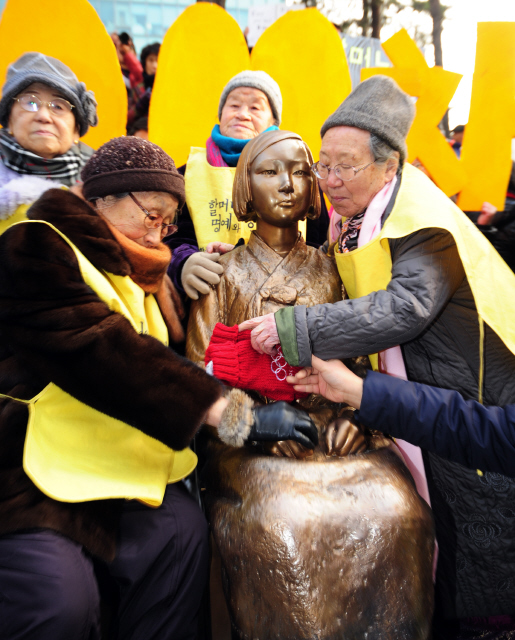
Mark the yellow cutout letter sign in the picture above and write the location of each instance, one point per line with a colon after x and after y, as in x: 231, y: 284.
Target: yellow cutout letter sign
x: 203, y: 49
x: 486, y: 150
x: 301, y: 51
x: 433, y: 87
x: 72, y: 32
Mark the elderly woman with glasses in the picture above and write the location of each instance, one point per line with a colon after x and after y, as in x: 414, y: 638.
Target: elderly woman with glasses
x: 44, y: 111
x: 96, y: 411
x: 432, y: 302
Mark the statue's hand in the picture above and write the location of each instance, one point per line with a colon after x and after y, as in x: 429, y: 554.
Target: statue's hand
x: 344, y: 437
x: 288, y: 449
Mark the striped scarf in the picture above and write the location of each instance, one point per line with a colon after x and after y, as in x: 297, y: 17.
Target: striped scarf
x: 64, y: 168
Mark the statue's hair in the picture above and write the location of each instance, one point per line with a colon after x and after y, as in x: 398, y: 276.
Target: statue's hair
x: 241, y: 190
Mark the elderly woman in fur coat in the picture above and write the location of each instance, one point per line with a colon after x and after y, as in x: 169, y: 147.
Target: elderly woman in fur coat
x: 96, y: 411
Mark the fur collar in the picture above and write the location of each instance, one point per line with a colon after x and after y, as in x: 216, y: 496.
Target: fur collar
x: 84, y: 227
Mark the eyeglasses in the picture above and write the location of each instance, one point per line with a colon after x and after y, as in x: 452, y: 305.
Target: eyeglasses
x: 343, y: 172
x: 155, y: 221
x: 57, y: 107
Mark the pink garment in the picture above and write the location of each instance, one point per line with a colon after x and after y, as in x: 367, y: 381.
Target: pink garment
x: 335, y: 226
x: 391, y: 361
x: 213, y: 155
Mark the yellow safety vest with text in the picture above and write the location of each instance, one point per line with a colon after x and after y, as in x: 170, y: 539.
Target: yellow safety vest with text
x: 74, y: 453
x: 209, y: 200
x: 421, y: 205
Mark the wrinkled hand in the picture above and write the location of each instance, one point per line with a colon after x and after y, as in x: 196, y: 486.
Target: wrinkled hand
x: 288, y: 449
x: 264, y: 336
x: 331, y: 379
x: 199, y: 271
x: 281, y: 421
x: 344, y: 438
x: 219, y: 247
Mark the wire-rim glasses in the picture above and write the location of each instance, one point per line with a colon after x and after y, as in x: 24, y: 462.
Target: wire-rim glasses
x: 154, y: 220
x: 57, y: 107
x: 343, y: 172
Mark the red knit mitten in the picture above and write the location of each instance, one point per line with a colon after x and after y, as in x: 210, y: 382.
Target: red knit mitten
x: 237, y: 363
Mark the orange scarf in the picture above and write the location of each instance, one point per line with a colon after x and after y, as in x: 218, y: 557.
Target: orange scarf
x: 149, y: 267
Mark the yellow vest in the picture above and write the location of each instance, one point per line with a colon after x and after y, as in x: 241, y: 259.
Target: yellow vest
x: 421, y: 205
x: 209, y: 200
x: 18, y: 216
x: 74, y: 453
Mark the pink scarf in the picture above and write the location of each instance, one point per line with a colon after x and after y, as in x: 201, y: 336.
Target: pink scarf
x: 213, y: 155
x: 391, y: 361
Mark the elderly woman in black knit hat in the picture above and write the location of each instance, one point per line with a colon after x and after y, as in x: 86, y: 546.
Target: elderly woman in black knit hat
x: 97, y: 411
x: 44, y: 111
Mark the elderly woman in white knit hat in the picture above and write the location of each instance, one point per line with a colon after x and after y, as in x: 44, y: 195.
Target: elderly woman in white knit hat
x: 250, y: 104
x: 432, y: 302
x: 44, y: 111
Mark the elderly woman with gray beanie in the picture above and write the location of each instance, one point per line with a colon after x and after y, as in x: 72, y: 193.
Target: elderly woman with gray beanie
x: 44, y: 111
x: 250, y: 104
x: 419, y: 304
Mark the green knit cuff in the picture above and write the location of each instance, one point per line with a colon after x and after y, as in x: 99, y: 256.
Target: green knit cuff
x: 285, y: 322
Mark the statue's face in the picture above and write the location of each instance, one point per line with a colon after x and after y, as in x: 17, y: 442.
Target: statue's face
x: 281, y: 183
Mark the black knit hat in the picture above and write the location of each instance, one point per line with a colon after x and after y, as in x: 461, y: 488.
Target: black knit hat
x: 131, y: 164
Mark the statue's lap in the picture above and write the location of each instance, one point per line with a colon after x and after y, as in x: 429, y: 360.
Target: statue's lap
x: 321, y: 548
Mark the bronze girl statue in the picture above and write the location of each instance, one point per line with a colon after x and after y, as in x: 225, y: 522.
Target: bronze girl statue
x: 330, y: 543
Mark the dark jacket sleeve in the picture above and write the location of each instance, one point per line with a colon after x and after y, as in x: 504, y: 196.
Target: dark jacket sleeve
x: 441, y: 421
x: 183, y: 243
x: 64, y: 333
x: 426, y: 272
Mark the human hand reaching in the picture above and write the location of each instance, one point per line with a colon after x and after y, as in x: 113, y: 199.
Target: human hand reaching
x: 199, y: 271
x: 331, y: 379
x: 219, y: 247
x: 264, y: 337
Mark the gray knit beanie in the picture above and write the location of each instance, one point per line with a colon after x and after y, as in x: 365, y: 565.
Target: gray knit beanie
x: 257, y: 80
x: 36, y: 67
x: 377, y: 105
x: 131, y: 164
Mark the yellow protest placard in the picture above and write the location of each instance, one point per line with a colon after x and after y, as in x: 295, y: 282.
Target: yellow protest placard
x: 73, y: 33
x: 433, y: 88
x: 486, y: 149
x: 304, y: 54
x: 301, y: 51
x: 203, y: 49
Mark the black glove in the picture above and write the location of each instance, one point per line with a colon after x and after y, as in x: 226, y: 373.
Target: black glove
x: 281, y: 421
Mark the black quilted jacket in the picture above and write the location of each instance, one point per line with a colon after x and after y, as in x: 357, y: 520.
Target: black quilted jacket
x: 429, y: 309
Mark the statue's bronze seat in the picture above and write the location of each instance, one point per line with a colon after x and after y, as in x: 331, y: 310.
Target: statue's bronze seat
x: 321, y: 548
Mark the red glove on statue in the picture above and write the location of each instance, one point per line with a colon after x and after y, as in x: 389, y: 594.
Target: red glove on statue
x: 239, y: 365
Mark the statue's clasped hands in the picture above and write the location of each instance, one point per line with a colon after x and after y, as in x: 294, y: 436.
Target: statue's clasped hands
x: 334, y: 381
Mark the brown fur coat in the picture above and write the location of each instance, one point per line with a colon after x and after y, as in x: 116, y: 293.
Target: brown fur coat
x: 54, y: 328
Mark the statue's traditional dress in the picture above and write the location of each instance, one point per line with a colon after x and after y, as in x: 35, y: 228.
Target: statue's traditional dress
x: 321, y: 547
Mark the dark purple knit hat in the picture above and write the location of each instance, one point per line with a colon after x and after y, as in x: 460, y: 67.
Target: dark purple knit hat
x: 131, y: 164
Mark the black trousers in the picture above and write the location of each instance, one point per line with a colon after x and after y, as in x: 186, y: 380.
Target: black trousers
x: 48, y: 589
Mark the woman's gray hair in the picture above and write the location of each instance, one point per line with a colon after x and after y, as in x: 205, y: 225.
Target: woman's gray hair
x: 381, y: 150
